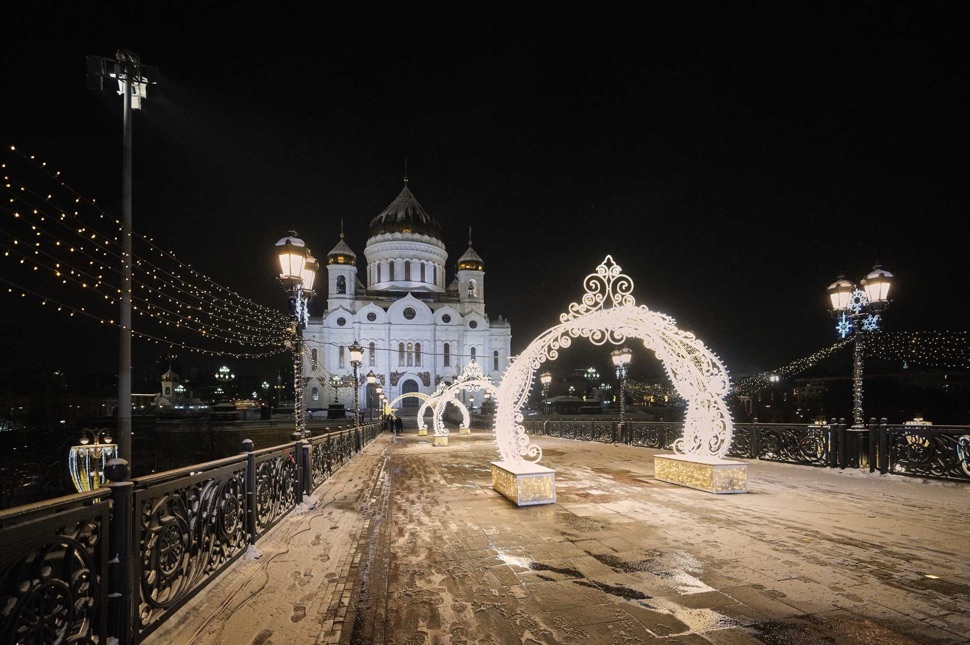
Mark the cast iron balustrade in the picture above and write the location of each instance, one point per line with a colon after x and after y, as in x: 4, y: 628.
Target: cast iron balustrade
x: 170, y: 534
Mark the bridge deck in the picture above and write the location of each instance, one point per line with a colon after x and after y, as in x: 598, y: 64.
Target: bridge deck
x: 408, y: 543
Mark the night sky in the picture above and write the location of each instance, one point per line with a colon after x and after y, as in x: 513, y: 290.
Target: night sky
x: 732, y: 157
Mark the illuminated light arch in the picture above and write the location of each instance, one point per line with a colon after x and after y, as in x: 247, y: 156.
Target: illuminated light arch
x: 451, y: 394
x: 415, y: 395
x: 435, y: 400
x: 608, y: 313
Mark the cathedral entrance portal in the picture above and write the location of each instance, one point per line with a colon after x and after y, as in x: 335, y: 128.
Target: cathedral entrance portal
x: 410, y: 386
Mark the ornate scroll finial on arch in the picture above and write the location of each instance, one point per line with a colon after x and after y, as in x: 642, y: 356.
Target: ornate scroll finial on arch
x: 472, y: 371
x: 606, y: 285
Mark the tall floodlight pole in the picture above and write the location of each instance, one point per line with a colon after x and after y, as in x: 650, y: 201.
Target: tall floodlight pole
x: 356, y: 358
x: 621, y: 358
x: 297, y: 271
x: 858, y: 311
x: 133, y: 79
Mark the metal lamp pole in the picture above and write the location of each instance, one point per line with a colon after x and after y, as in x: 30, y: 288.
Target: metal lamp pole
x: 621, y: 358
x: 858, y: 311
x: 356, y: 358
x: 371, y: 379
x: 133, y: 79
x: 545, y: 378
x: 297, y: 272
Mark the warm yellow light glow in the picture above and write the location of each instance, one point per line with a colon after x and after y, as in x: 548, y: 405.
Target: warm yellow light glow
x: 525, y: 484
x: 713, y: 475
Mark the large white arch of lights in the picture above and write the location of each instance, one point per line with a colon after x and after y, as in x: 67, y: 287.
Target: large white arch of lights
x: 608, y: 314
x: 435, y: 400
x: 452, y: 392
x: 414, y: 395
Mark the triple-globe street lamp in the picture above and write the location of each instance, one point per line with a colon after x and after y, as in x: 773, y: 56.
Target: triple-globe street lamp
x: 621, y: 358
x: 858, y: 311
x: 297, y: 271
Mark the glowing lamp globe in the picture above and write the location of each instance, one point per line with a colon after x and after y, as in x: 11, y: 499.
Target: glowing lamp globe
x: 876, y: 286
x: 293, y: 254
x: 840, y: 293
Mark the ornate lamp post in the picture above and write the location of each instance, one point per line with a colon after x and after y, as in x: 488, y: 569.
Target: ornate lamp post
x: 297, y: 272
x: 621, y: 358
x: 591, y: 377
x: 379, y: 391
x: 356, y: 358
x: 545, y: 378
x: 225, y: 375
x: 858, y: 310
x: 371, y: 379
x: 86, y: 462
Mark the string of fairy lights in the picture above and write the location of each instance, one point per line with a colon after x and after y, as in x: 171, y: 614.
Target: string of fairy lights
x: 67, y: 249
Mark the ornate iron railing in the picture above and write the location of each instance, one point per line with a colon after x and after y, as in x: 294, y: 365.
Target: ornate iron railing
x: 53, y: 560
x: 941, y: 452
x: 169, y: 534
x: 189, y: 525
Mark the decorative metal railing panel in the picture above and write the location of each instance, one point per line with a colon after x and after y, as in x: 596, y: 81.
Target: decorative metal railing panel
x: 277, y: 480
x: 660, y: 435
x: 190, y: 524
x: 929, y: 451
x: 786, y: 443
x: 322, y: 458
x: 53, y: 569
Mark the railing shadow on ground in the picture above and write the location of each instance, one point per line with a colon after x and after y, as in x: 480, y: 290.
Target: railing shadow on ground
x: 119, y: 561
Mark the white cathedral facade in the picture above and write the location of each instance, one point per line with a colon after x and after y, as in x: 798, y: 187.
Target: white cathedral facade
x: 416, y: 327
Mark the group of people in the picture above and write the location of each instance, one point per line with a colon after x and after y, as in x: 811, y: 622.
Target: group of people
x: 393, y: 424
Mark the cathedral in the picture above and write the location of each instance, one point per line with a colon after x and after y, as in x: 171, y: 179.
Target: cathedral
x: 416, y: 328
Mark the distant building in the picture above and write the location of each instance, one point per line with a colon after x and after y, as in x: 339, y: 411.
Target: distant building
x: 416, y: 327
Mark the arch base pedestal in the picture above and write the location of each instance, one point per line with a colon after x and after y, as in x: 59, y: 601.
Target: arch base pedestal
x: 422, y: 432
x: 524, y: 483
x: 439, y: 440
x: 710, y: 474
x: 464, y: 430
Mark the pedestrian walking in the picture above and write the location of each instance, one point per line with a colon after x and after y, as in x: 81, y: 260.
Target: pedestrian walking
x: 398, y: 425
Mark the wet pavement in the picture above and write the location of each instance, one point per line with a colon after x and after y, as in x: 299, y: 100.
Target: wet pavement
x: 409, y: 544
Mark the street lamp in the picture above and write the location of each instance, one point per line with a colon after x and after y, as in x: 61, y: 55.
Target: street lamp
x: 225, y: 375
x: 133, y: 79
x: 86, y: 462
x: 297, y: 271
x: 858, y: 310
x: 591, y: 376
x: 371, y: 379
x: 545, y: 378
x: 356, y: 358
x: 379, y: 391
x: 621, y: 358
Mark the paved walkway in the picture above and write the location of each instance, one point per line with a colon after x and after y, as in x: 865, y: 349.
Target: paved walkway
x: 409, y: 544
